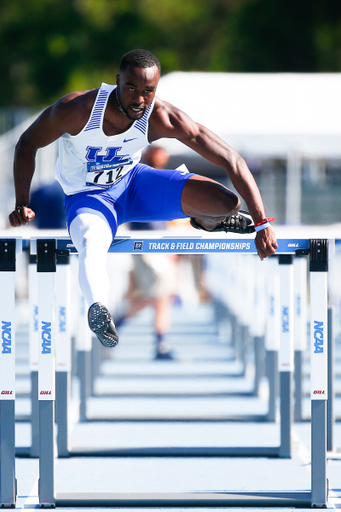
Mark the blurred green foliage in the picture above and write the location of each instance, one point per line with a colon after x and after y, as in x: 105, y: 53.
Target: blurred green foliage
x: 51, y: 47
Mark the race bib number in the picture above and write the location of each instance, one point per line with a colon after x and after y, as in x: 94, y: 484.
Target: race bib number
x: 104, y: 174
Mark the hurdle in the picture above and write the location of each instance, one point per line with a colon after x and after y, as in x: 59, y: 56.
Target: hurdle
x: 226, y: 366
x: 283, y: 450
x: 83, y: 372
x: 8, y: 489
x: 84, y: 377
x: 317, y: 250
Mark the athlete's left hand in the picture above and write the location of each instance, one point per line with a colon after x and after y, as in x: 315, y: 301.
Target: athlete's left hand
x: 266, y: 242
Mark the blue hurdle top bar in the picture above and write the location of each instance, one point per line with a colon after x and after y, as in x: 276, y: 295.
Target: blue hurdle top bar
x: 189, y: 245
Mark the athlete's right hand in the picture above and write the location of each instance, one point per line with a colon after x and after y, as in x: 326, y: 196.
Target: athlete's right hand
x: 21, y: 216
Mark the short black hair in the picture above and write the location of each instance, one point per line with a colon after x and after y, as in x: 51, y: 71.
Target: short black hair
x: 139, y: 59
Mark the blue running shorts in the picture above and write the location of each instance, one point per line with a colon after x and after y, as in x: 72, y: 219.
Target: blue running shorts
x: 144, y: 194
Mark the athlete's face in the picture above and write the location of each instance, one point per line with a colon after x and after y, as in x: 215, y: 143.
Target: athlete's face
x: 136, y: 89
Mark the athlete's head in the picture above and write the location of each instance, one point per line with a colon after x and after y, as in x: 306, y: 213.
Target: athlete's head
x: 136, y: 82
x: 139, y: 59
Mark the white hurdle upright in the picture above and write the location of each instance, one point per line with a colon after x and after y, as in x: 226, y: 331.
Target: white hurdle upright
x: 319, y: 368
x: 46, y: 269
x: 286, y: 350
x: 331, y: 379
x: 257, y: 328
x: 8, y: 490
x: 318, y: 252
x: 272, y: 334
x: 34, y: 352
x: 63, y: 349
x: 300, y: 329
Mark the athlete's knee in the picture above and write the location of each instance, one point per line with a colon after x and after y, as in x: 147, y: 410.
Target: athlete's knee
x: 236, y: 203
x: 89, y: 231
x: 227, y: 199
x: 208, y: 197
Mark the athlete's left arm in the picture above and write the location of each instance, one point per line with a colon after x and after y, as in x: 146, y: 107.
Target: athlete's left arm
x: 171, y: 122
x: 217, y: 151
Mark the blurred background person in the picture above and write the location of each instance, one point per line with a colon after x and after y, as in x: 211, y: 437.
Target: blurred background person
x: 154, y: 277
x: 47, y: 201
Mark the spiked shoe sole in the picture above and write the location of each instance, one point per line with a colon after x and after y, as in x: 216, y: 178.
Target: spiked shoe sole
x: 100, y: 322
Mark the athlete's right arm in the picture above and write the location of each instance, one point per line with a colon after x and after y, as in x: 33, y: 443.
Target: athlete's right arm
x: 65, y: 116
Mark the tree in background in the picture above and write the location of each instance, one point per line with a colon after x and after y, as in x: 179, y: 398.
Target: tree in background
x: 51, y: 47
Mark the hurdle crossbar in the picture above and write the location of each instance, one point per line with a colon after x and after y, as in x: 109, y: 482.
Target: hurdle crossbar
x: 186, y: 499
x: 147, y: 243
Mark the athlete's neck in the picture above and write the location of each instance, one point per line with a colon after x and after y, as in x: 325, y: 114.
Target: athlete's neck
x: 119, y: 103
x: 115, y: 121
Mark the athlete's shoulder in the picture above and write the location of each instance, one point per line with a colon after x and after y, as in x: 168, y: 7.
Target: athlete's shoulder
x: 169, y: 121
x: 67, y: 116
x: 74, y: 109
x: 76, y: 101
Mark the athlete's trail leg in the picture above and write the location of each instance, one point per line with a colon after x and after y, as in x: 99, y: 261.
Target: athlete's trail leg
x: 208, y: 202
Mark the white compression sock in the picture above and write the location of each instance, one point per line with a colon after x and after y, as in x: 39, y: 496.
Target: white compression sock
x: 92, y: 237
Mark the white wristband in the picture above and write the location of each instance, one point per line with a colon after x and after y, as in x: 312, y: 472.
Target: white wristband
x: 263, y: 226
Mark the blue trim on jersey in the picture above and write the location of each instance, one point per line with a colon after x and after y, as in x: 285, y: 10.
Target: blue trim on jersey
x: 142, y: 124
x: 96, y: 116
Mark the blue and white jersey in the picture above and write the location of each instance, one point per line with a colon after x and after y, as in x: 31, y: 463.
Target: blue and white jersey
x: 92, y: 160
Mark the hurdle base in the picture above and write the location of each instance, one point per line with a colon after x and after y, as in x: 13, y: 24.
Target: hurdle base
x: 256, y: 418
x: 8, y: 482
x: 7, y: 505
x: 181, y: 451
x: 46, y: 454
x: 286, y: 414
x: 186, y: 499
x: 47, y: 505
x: 319, y: 482
x: 23, y: 452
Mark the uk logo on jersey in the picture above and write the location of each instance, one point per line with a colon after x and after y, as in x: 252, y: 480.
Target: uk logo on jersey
x: 110, y: 157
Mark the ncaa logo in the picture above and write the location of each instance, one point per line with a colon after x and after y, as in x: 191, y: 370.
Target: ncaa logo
x: 318, y: 337
x: 6, y: 337
x: 138, y: 246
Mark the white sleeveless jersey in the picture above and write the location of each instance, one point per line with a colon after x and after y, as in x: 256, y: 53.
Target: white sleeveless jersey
x: 92, y: 160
